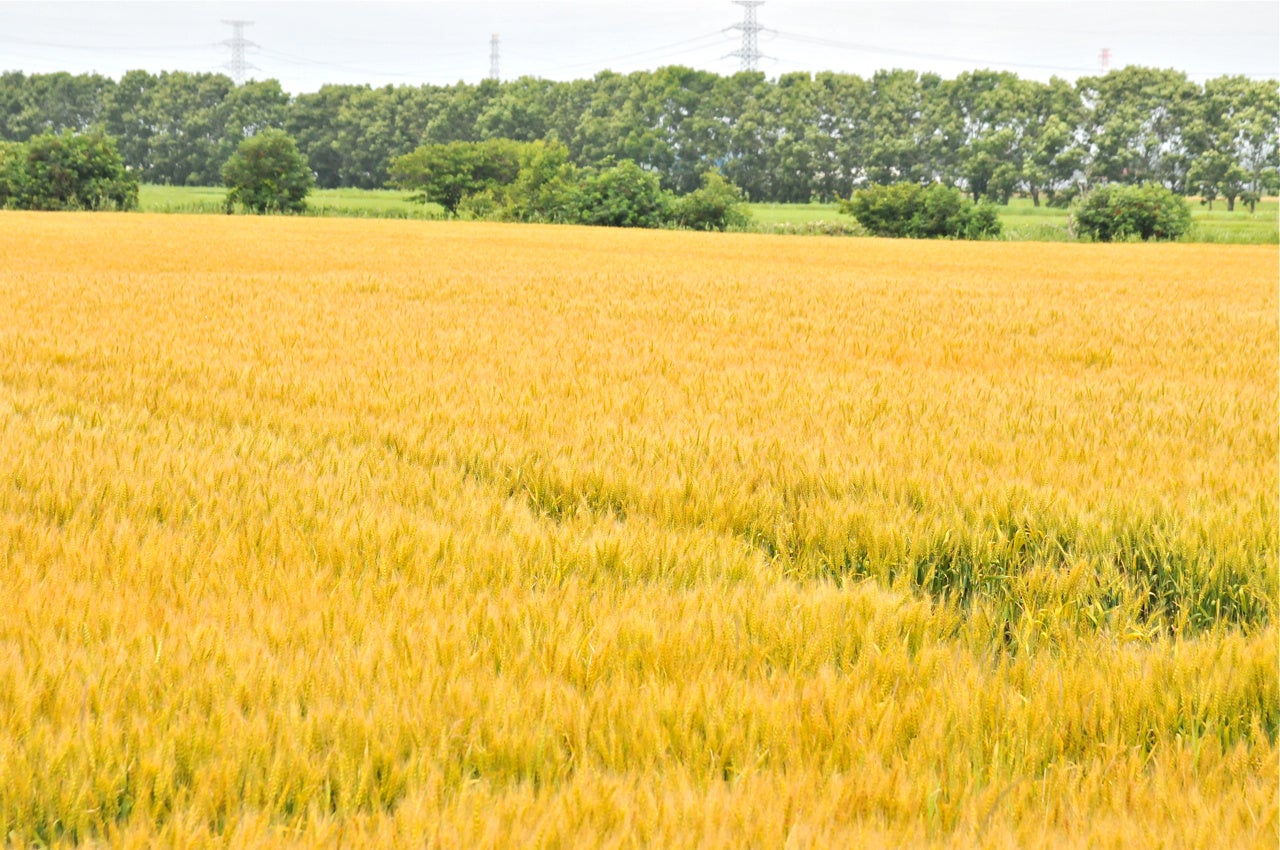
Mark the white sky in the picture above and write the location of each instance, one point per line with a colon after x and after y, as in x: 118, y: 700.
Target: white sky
x: 305, y: 44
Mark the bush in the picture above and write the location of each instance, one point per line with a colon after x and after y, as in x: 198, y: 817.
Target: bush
x: 546, y: 187
x: 487, y: 204
x: 503, y: 180
x: 445, y: 174
x: 66, y: 172
x: 718, y: 205
x: 623, y: 195
x: 1150, y: 211
x: 1062, y: 198
x: 921, y: 212
x: 10, y: 159
x: 268, y: 173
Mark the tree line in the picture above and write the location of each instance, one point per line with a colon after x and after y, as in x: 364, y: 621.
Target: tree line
x: 799, y: 137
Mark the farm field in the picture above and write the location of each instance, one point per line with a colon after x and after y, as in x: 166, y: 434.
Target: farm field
x: 1023, y: 222
x: 340, y: 532
x: 342, y: 203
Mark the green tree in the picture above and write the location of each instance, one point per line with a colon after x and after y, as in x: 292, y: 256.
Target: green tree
x: 185, y: 111
x: 247, y: 110
x: 546, y: 187
x: 921, y: 212
x: 1216, y: 175
x: 129, y: 117
x: 1234, y: 138
x: 1115, y: 212
x: 1135, y: 123
x: 267, y: 173
x: 622, y: 195
x: 10, y: 173
x: 445, y: 174
x: 312, y: 120
x: 519, y: 111
x: 68, y: 171
x: 716, y: 205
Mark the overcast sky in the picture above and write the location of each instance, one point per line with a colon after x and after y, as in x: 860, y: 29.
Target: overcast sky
x: 305, y: 44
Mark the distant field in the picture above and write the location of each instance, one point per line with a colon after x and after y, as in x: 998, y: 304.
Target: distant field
x: 339, y: 533
x: 353, y: 203
x: 1023, y: 222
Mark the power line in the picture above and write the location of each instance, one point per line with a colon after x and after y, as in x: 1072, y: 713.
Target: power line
x: 980, y: 63
x: 238, y: 65
x: 291, y: 59
x: 915, y: 54
x: 665, y: 51
x: 106, y: 48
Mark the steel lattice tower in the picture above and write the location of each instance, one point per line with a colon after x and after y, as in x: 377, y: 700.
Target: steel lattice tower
x: 237, y: 66
x: 749, y: 53
x: 493, y: 57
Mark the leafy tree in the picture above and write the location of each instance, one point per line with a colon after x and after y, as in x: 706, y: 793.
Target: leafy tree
x: 921, y: 212
x: 622, y: 195
x: 10, y: 173
x: 717, y: 205
x: 796, y: 138
x: 519, y: 111
x: 312, y: 120
x: 185, y: 112
x: 741, y: 156
x: 459, y: 114
x: 986, y: 117
x: 1150, y: 211
x: 67, y: 171
x: 446, y: 173
x: 128, y: 116
x: 1239, y: 120
x: 1135, y: 122
x: 1216, y: 175
x: 248, y: 110
x: 267, y: 173
x: 546, y: 187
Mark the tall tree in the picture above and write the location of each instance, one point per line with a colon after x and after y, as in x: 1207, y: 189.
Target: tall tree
x: 1134, y: 123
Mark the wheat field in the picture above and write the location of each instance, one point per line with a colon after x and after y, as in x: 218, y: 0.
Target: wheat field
x: 338, y: 533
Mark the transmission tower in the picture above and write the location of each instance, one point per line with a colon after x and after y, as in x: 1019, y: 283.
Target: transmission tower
x: 749, y: 53
x: 493, y: 57
x: 237, y: 66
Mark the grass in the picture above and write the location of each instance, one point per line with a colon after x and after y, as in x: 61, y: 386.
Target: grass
x: 1023, y: 222
x: 347, y: 203
x: 331, y: 532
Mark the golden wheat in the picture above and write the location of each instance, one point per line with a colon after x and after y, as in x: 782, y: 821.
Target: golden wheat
x: 319, y: 532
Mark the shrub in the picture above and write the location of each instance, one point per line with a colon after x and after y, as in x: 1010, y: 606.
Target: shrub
x: 623, y: 195
x: 1150, y: 211
x: 10, y: 159
x: 546, y: 187
x: 884, y: 210
x: 978, y: 221
x: 921, y: 212
x: 486, y: 204
x: 66, y: 172
x: 718, y: 205
x: 268, y: 173
x: 445, y: 174
x: 1061, y: 198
